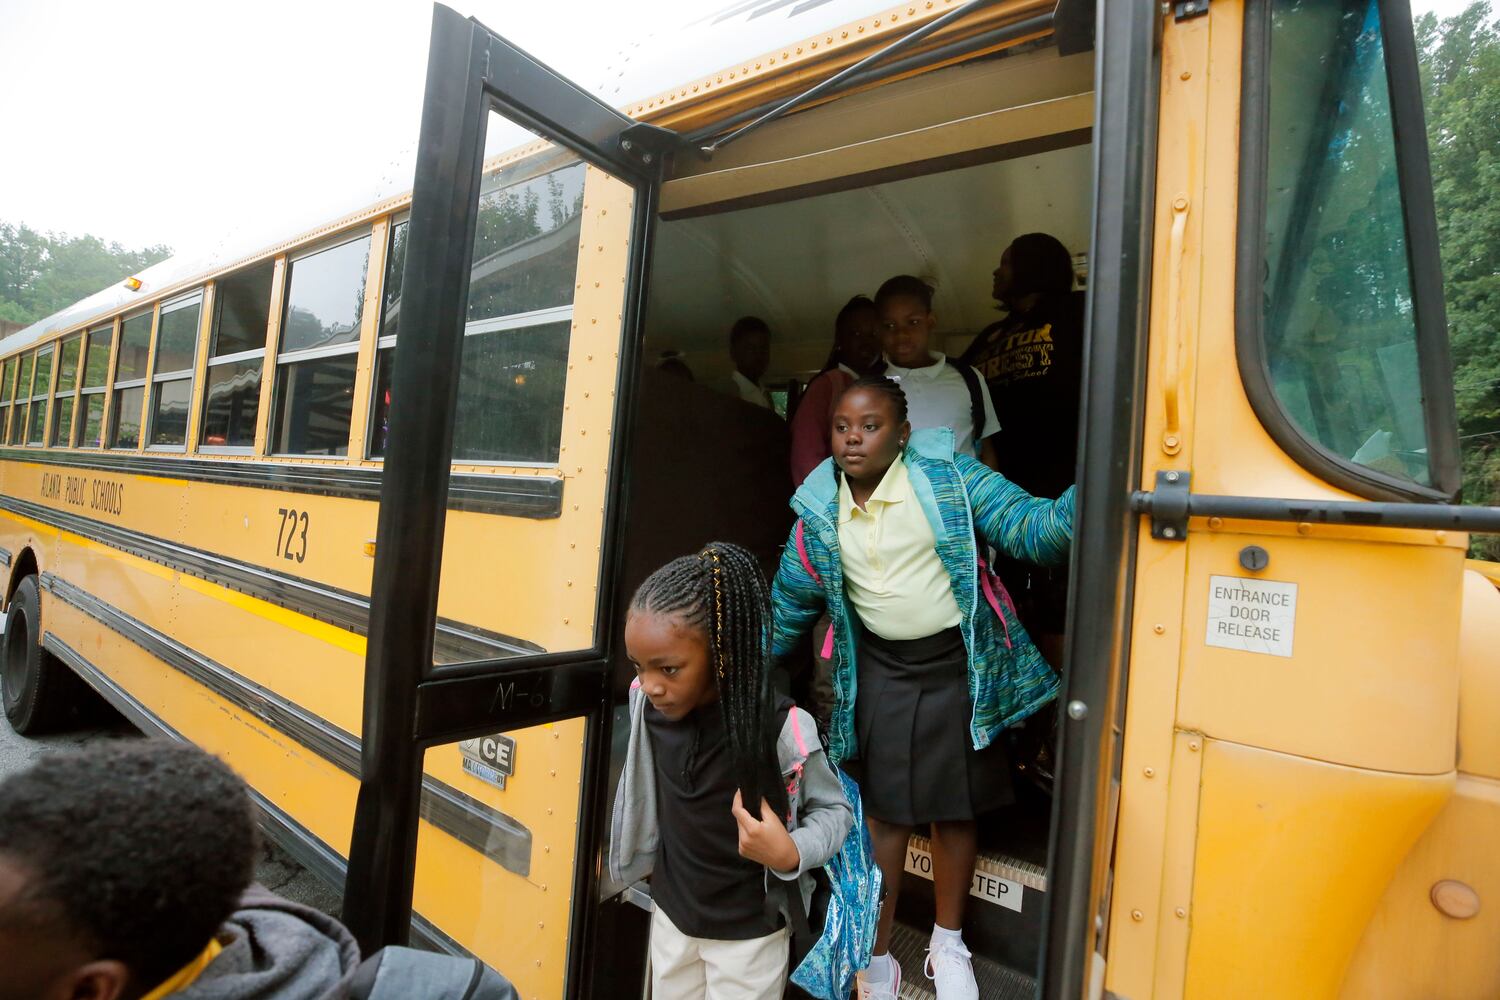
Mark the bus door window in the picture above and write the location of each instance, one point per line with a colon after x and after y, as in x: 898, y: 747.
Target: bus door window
x: 521, y: 382
x: 390, y: 314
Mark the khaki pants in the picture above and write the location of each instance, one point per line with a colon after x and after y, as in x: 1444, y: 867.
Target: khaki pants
x: 689, y: 968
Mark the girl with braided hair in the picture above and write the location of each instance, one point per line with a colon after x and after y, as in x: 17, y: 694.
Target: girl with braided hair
x: 707, y: 743
x: 931, y: 663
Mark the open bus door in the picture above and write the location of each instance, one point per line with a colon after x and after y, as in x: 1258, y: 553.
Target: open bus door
x: 589, y: 177
x: 479, y: 87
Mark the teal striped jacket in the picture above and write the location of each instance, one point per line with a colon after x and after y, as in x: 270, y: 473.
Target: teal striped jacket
x: 1007, y: 680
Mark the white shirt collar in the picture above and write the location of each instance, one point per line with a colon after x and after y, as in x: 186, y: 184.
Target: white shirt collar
x: 931, y: 371
x: 743, y: 382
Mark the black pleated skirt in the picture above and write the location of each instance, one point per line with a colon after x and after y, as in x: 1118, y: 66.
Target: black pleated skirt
x: 917, y: 763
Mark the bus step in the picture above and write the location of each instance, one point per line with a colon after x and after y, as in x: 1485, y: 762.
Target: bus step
x: 996, y: 982
x: 998, y: 865
x: 1007, y: 900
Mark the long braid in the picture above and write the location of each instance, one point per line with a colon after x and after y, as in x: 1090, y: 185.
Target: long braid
x: 722, y: 591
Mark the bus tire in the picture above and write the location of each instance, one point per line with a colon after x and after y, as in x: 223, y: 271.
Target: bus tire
x: 37, y: 689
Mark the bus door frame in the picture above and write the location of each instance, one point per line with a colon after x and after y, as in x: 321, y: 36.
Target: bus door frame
x: 472, y: 71
x: 1127, y: 70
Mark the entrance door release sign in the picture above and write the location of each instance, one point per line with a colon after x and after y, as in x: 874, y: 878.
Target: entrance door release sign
x: 1256, y: 616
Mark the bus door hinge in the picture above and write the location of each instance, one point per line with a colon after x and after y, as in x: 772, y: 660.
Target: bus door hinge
x: 1168, y: 505
x: 1186, y: 10
x: 649, y: 143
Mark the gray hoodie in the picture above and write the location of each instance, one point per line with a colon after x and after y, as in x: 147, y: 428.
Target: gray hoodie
x: 821, y: 817
x: 275, y: 949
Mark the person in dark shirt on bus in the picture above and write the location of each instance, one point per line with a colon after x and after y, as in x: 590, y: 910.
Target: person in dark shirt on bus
x: 856, y: 346
x: 750, y: 350
x: 1032, y: 361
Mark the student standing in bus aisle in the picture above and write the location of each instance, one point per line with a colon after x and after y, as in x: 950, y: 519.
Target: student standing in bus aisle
x: 697, y: 634
x: 1032, y: 362
x: 750, y: 350
x: 856, y: 346
x: 886, y: 543
x: 940, y: 392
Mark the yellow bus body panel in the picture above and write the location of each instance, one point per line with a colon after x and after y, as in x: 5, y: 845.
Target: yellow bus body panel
x: 1292, y: 857
x: 1266, y: 801
x: 1412, y: 950
x: 1479, y: 679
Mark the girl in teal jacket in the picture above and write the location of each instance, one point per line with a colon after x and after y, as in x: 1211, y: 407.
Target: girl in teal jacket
x: 930, y: 662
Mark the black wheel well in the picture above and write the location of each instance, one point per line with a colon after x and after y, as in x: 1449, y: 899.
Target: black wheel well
x: 23, y: 566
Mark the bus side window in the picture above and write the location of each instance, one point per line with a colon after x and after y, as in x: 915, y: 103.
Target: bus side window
x: 236, y: 355
x: 172, y: 381
x: 130, y: 381
x: 314, y: 393
x: 1337, y: 316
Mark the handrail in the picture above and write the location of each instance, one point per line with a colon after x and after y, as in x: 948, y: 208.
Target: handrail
x: 1171, y: 440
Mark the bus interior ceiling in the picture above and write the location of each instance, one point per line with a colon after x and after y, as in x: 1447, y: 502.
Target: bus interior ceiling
x: 794, y: 264
x: 705, y: 465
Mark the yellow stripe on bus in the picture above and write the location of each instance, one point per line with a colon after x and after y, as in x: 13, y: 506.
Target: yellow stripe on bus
x: 331, y: 634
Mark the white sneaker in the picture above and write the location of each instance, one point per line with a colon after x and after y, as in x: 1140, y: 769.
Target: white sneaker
x: 951, y: 972
x: 888, y: 990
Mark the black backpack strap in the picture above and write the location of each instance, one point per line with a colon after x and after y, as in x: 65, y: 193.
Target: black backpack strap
x: 976, y: 399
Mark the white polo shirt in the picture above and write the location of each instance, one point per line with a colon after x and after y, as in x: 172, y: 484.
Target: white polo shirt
x: 748, y: 390
x: 936, y: 396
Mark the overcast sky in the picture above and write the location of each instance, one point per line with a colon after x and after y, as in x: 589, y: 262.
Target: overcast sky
x: 166, y: 121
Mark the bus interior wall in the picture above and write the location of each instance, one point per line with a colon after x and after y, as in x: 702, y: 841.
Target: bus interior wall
x: 705, y: 465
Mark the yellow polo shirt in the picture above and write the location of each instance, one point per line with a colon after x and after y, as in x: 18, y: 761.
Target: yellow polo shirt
x: 892, y: 572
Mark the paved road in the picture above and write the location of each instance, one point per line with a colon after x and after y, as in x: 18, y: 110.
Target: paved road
x: 276, y: 870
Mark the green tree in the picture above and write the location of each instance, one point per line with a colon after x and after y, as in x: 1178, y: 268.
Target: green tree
x: 41, y: 273
x: 1461, y: 80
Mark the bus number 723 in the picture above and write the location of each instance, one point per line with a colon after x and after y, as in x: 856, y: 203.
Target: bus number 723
x: 288, y: 533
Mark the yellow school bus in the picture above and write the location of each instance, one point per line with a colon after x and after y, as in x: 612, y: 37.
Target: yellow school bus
x: 358, y: 511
